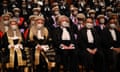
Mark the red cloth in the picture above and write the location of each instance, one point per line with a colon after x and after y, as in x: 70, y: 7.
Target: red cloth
x: 1, y: 34
x: 97, y: 22
x: 26, y: 33
x: 21, y: 21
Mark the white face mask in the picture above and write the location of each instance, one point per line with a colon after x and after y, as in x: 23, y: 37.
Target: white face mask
x: 80, y: 22
x: 56, y: 12
x: 109, y: 13
x: 32, y: 22
x: 112, y: 25
x: 89, y: 25
x: 6, y: 22
x: 17, y: 14
x: 75, y: 12
x: 35, y: 13
x: 39, y: 26
x: 92, y: 15
x: 65, y: 24
x: 102, y: 21
x: 14, y: 27
x: 23, y: 6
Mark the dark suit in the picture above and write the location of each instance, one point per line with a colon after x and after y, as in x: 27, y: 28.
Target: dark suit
x: 97, y: 60
x: 99, y: 29
x: 64, y: 9
x: 108, y: 42
x: 65, y: 57
x: 46, y: 10
x: 4, y: 10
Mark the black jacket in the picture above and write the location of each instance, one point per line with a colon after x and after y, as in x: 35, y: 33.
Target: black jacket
x: 83, y: 41
x: 108, y: 41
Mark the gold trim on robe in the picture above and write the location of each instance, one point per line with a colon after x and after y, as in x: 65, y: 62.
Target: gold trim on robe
x: 11, y: 55
x: 21, y: 62
x: 50, y: 64
x: 37, y: 56
x: 11, y: 60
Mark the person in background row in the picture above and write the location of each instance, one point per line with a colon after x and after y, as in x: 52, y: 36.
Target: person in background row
x: 14, y: 4
x: 102, y: 11
x: 10, y: 14
x: 116, y: 17
x: 24, y: 11
x: 46, y: 10
x: 37, y: 11
x: 111, y: 42
x: 4, y: 23
x: 53, y: 19
x: 31, y: 23
x: 89, y: 43
x: 30, y: 6
x: 65, y: 46
x: 73, y: 15
x: 81, y: 5
x: 12, y: 43
x: 81, y: 19
x: 101, y: 23
x: 19, y: 19
x: 64, y: 7
x: 109, y: 12
x: 4, y: 7
x: 118, y: 8
x: 92, y: 14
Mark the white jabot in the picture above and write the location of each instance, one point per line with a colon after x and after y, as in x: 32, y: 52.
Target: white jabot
x: 6, y: 28
x: 29, y: 6
x: 39, y: 36
x: 102, y: 27
x: 112, y: 31
x: 14, y: 32
x: 14, y: 36
x: 90, y: 36
x: 79, y: 27
x: 65, y: 34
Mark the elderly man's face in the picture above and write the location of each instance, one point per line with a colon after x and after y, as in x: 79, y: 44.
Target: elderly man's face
x: 89, y: 23
x: 64, y: 22
x: 112, y: 23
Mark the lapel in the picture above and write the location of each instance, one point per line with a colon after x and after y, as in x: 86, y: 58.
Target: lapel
x: 109, y: 35
x: 84, y: 33
x: 59, y: 33
x: 117, y: 34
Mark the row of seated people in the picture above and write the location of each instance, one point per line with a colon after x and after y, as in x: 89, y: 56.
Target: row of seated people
x: 51, y: 11
x: 95, y: 47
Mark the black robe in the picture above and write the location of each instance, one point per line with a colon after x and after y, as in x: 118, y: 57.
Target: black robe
x: 95, y: 61
x: 67, y: 58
